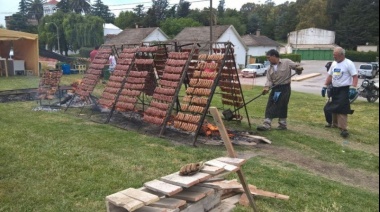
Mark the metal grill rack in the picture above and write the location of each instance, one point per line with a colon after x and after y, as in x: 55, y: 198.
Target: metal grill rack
x: 92, y: 76
x: 49, y: 86
x: 116, y: 82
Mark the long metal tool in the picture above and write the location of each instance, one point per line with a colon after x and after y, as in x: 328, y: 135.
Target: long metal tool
x: 229, y: 114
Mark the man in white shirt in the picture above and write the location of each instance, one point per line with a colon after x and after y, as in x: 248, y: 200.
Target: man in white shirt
x: 342, y: 76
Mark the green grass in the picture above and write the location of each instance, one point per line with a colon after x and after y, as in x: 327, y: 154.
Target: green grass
x: 60, y: 162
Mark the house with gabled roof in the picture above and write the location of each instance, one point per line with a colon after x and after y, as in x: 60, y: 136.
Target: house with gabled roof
x: 259, y: 44
x: 137, y: 36
x: 223, y: 33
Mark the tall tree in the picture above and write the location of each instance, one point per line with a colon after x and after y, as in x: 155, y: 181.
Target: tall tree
x: 80, y: 6
x: 159, y: 8
x: 127, y: 19
x: 183, y: 9
x: 172, y: 26
x: 221, y: 8
x: 23, y: 8
x: 101, y: 10
x: 286, y: 21
x: 139, y: 11
x: 313, y: 14
x: 64, y: 6
x: 358, y: 24
x: 36, y: 9
x: 334, y: 10
x: 18, y: 22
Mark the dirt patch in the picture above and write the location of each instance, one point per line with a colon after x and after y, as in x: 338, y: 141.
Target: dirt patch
x: 334, y: 136
x: 336, y: 172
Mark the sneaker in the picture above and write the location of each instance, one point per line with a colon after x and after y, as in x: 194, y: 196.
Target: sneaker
x: 263, y: 128
x: 344, y: 133
x: 328, y: 125
x: 282, y: 127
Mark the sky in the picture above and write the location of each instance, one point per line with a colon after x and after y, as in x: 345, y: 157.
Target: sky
x: 8, y: 7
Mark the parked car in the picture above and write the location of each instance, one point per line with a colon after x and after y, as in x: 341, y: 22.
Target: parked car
x: 367, y: 70
x: 254, y: 69
x: 375, y: 66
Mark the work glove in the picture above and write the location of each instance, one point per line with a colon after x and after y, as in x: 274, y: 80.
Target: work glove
x: 265, y: 91
x: 191, y: 169
x: 298, y: 70
x: 352, y: 92
x: 323, y: 92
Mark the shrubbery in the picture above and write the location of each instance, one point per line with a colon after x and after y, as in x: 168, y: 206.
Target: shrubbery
x: 85, y: 51
x: 362, y: 56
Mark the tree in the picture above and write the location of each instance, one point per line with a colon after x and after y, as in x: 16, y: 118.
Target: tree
x: 47, y: 32
x: 334, y: 10
x: 286, y: 21
x: 240, y: 28
x: 36, y: 9
x: 172, y: 26
x: 221, y: 8
x: 183, y: 9
x: 159, y: 8
x: 171, y: 13
x: 79, y: 6
x: 126, y: 19
x: 23, y: 8
x: 102, y: 11
x: 202, y: 17
x: 313, y: 14
x: 358, y: 24
x: 18, y: 22
x: 139, y: 11
x: 64, y: 6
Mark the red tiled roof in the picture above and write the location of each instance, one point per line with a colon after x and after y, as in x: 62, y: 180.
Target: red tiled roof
x: 54, y: 2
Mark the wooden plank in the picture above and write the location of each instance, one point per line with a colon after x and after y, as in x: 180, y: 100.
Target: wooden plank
x: 185, y: 181
x: 163, y: 187
x: 201, y: 189
x: 153, y: 209
x: 232, y: 161
x: 139, y: 195
x: 169, y: 203
x: 189, y: 196
x: 212, y: 170
x: 259, y: 138
x: 305, y: 76
x: 222, y: 185
x: 231, y: 152
x: 159, y: 194
x: 121, y: 200
x: 255, y: 191
x: 220, y: 164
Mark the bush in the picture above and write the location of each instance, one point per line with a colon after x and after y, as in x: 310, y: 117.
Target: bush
x: 362, y: 56
x: 85, y: 51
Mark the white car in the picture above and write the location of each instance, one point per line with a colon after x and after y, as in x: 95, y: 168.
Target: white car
x: 367, y: 70
x: 254, y: 69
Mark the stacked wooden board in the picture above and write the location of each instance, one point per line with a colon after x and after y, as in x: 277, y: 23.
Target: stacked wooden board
x: 176, y: 193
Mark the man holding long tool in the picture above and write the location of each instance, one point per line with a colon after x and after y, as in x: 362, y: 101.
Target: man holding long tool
x: 278, y: 82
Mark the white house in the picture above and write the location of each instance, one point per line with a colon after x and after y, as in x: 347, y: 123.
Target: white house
x: 259, y: 44
x: 110, y: 29
x: 137, y: 36
x: 50, y: 7
x: 225, y: 33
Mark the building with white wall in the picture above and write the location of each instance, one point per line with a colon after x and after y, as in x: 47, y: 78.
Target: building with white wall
x: 224, y: 33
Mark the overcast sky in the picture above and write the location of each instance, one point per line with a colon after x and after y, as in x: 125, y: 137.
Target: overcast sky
x: 8, y: 7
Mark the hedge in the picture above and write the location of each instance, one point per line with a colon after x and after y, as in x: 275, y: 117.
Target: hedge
x: 85, y: 51
x: 362, y: 56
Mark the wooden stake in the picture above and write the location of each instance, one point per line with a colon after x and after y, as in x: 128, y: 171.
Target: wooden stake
x: 231, y: 153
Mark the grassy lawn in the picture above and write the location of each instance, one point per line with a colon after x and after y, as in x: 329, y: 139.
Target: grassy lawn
x: 54, y: 161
